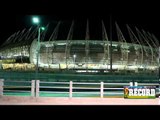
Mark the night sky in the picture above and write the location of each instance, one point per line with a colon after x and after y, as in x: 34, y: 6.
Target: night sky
x: 18, y: 16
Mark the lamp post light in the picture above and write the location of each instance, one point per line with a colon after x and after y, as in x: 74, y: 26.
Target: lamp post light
x: 37, y: 21
x: 74, y: 56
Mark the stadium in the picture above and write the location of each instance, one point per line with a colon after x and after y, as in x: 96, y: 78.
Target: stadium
x: 135, y: 51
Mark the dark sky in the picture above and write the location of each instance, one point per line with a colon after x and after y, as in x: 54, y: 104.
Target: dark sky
x: 18, y: 16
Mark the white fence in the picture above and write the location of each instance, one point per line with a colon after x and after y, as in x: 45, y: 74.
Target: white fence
x: 17, y: 87
x: 37, y: 88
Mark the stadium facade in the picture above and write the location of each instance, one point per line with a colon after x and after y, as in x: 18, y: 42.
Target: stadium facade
x: 139, y: 52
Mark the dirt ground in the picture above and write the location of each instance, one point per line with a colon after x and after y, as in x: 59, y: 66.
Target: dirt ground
x: 14, y: 100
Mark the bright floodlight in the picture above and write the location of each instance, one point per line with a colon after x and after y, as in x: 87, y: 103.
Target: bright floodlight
x: 74, y: 56
x: 43, y: 28
x: 35, y: 20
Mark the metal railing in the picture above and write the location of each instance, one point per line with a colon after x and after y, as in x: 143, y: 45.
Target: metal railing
x: 37, y: 88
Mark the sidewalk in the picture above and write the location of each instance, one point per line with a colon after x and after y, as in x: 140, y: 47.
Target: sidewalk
x: 14, y: 100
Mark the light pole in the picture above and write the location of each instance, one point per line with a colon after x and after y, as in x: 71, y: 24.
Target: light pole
x: 159, y: 70
x: 36, y: 21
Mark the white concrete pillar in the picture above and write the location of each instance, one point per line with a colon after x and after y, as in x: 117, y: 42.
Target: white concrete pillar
x: 136, y: 84
x: 70, y: 89
x: 33, y: 88
x: 131, y: 83
x: 1, y: 87
x: 37, y: 88
x: 102, y: 89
